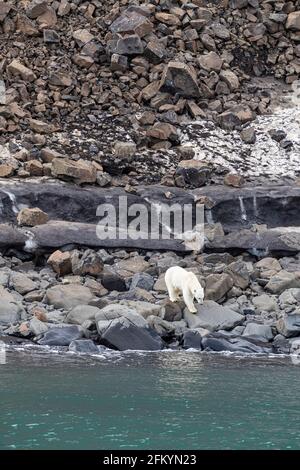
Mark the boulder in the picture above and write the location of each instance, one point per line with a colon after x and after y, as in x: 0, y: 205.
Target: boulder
x: 78, y: 315
x: 289, y: 297
x: 248, y: 135
x: 194, y: 173
x: 10, y: 312
x: 164, y: 328
x: 36, y: 8
x: 211, y: 61
x: 131, y: 22
x: 234, y: 180
x: 17, y: 68
x: 41, y: 127
x: 268, y: 267
x: 61, y: 336
x: 180, y: 78
x: 37, y: 327
x: 68, y: 296
x: 112, y: 281
x: 239, y: 273
x: 213, y: 317
x: 171, y: 311
x: 83, y: 346
x: 289, y: 325
x: 230, y: 78
x: 114, y: 311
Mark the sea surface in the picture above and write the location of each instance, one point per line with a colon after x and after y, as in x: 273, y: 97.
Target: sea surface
x: 164, y: 400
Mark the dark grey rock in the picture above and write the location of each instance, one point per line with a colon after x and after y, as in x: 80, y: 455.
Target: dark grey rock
x: 289, y: 325
x: 123, y: 335
x: 213, y: 317
x: 192, y: 339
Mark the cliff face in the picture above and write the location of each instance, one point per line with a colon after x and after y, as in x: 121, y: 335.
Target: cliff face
x: 62, y: 61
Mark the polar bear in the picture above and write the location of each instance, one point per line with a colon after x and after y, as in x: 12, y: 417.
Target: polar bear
x: 180, y: 281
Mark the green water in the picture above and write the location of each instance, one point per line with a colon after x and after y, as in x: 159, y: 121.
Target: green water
x: 169, y: 400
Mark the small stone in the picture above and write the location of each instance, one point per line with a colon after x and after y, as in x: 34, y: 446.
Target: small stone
x: 51, y: 36
x: 125, y: 150
x: 82, y: 36
x: 180, y: 78
x: 34, y: 168
x: 118, y: 63
x: 293, y: 21
x: 211, y: 61
x: 80, y: 171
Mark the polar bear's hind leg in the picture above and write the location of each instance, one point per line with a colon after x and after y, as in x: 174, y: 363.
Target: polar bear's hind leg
x: 188, y: 301
x: 173, y: 295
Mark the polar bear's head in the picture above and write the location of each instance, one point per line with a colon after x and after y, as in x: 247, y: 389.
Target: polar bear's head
x: 196, y: 289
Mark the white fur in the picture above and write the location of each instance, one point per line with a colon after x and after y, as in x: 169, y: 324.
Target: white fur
x: 180, y: 281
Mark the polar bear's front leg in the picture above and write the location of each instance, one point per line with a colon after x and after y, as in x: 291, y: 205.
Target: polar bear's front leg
x: 188, y: 299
